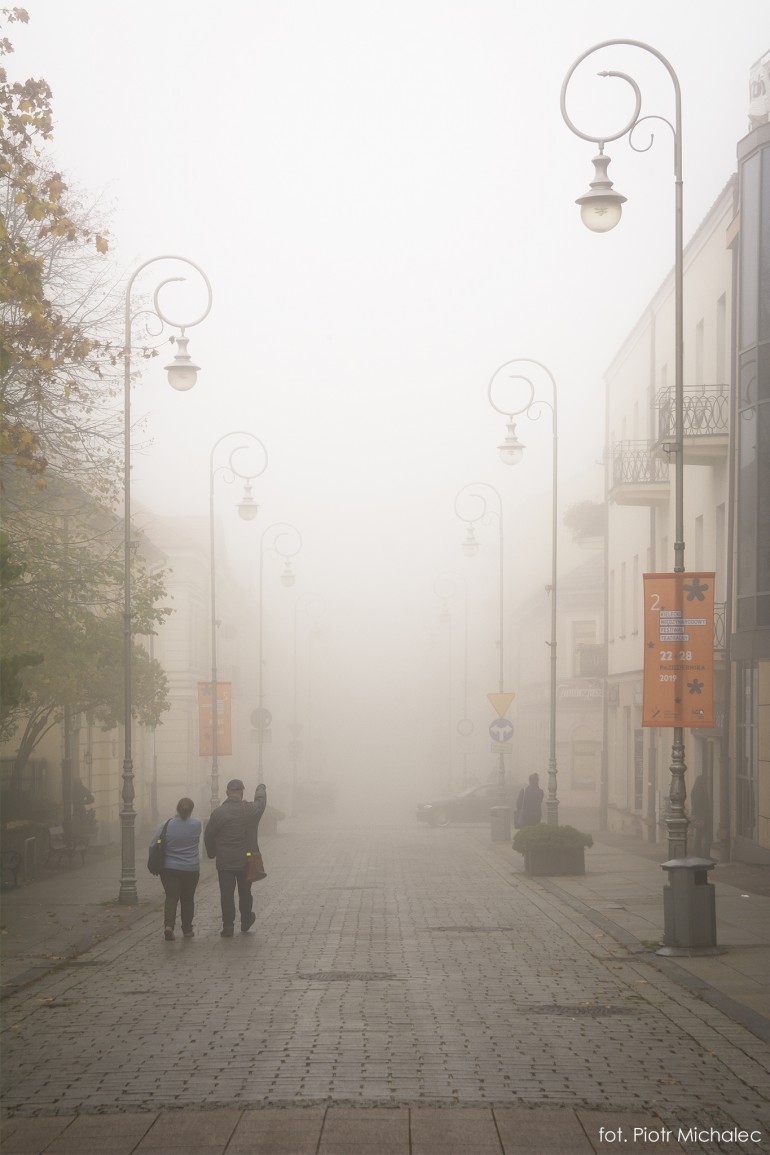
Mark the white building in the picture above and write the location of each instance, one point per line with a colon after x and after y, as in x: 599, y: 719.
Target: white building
x: 641, y: 494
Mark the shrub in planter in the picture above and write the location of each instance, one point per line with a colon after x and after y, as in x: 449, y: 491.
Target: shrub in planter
x: 552, y: 849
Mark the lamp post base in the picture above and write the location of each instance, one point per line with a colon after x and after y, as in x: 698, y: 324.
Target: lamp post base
x: 500, y: 823
x: 127, y: 895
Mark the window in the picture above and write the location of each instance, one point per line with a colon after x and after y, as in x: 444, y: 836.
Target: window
x: 721, y: 553
x: 585, y: 765
x: 638, y: 769
x: 622, y: 599
x: 583, y: 634
x: 746, y: 770
x: 636, y: 596
x: 721, y: 350
x: 611, y: 607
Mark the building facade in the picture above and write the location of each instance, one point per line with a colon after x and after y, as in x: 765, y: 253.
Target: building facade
x: 640, y: 430
x: 750, y: 640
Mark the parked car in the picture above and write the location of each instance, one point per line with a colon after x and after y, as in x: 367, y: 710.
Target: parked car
x: 471, y: 805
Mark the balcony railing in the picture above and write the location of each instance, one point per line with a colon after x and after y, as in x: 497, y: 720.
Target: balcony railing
x: 705, y: 412
x: 720, y: 634
x: 634, y: 464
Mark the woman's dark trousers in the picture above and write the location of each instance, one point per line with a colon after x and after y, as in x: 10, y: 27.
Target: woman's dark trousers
x: 179, y: 886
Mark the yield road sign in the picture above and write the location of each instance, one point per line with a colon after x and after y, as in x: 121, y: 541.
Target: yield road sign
x: 501, y: 701
x: 501, y: 730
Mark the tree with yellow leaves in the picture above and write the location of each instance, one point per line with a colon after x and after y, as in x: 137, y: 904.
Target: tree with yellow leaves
x: 56, y: 302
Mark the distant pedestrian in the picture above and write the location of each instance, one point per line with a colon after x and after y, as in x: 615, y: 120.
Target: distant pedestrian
x: 701, y: 817
x: 181, y: 867
x: 81, y: 797
x: 231, y: 835
x: 529, y: 806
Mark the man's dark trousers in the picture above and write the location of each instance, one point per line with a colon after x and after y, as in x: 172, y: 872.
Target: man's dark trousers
x: 228, y: 879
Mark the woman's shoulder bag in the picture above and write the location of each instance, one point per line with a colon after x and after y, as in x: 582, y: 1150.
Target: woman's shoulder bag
x: 157, y: 855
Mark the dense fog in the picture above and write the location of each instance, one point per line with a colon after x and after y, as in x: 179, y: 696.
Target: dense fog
x: 382, y: 196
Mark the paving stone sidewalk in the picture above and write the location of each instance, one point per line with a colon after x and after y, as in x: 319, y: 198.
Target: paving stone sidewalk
x: 409, y: 990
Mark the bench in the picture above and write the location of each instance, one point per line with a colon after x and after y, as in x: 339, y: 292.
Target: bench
x: 62, y: 847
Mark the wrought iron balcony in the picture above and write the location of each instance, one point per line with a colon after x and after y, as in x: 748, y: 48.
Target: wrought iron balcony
x: 720, y: 635
x: 705, y: 421
x: 638, y: 476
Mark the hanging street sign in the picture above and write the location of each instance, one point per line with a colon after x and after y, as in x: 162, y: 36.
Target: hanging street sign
x: 678, y: 649
x: 260, y: 718
x: 223, y: 720
x: 501, y: 730
x: 501, y: 702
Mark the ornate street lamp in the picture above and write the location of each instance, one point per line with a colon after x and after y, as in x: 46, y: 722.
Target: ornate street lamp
x: 315, y: 606
x: 277, y: 531
x: 182, y: 375
x: 247, y: 511
x: 474, y: 491
x: 445, y: 587
x: 602, y: 204
x: 512, y: 452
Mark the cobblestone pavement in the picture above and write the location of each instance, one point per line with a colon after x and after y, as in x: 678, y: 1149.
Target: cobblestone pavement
x: 393, y: 967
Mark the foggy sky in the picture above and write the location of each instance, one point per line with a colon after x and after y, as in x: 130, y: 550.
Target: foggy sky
x: 382, y: 195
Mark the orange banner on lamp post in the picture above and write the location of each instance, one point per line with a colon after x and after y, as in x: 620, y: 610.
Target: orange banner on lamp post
x: 678, y: 649
x: 224, y: 726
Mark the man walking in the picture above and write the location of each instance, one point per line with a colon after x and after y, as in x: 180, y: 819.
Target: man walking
x: 231, y: 835
x: 529, y: 807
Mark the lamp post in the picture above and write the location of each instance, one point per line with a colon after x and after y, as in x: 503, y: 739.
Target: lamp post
x: 247, y: 511
x: 278, y: 530
x: 445, y: 587
x: 500, y: 816
x: 511, y: 452
x: 315, y: 606
x: 600, y: 211
x: 182, y: 375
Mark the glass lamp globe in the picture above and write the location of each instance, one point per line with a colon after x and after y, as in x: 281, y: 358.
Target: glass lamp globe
x: 470, y: 545
x: 182, y: 371
x: 601, y: 206
x: 247, y: 506
x: 511, y: 451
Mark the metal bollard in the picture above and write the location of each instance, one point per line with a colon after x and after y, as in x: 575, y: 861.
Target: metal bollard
x: 689, y: 908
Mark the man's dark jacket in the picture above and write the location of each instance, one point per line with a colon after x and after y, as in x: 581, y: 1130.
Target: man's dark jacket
x: 232, y: 830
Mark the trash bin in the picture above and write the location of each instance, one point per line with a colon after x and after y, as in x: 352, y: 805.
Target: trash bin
x: 500, y: 823
x: 689, y: 904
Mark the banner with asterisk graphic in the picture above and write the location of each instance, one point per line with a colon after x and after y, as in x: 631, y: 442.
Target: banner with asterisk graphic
x: 224, y: 726
x: 678, y: 649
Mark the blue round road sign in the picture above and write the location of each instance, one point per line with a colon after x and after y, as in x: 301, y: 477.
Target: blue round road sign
x: 501, y: 730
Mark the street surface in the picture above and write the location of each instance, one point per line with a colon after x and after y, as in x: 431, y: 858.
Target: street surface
x: 394, y: 966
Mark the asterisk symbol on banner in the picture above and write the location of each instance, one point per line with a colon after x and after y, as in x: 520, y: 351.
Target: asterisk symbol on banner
x: 695, y: 686
x: 695, y: 591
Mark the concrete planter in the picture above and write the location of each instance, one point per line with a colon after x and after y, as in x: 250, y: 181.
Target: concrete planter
x: 555, y: 860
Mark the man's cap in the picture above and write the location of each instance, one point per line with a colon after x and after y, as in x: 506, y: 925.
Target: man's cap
x: 235, y: 784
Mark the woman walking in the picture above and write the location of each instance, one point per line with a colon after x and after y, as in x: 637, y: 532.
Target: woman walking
x: 181, y: 867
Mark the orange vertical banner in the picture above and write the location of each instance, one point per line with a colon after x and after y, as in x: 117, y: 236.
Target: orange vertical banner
x: 224, y: 722
x: 678, y: 649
